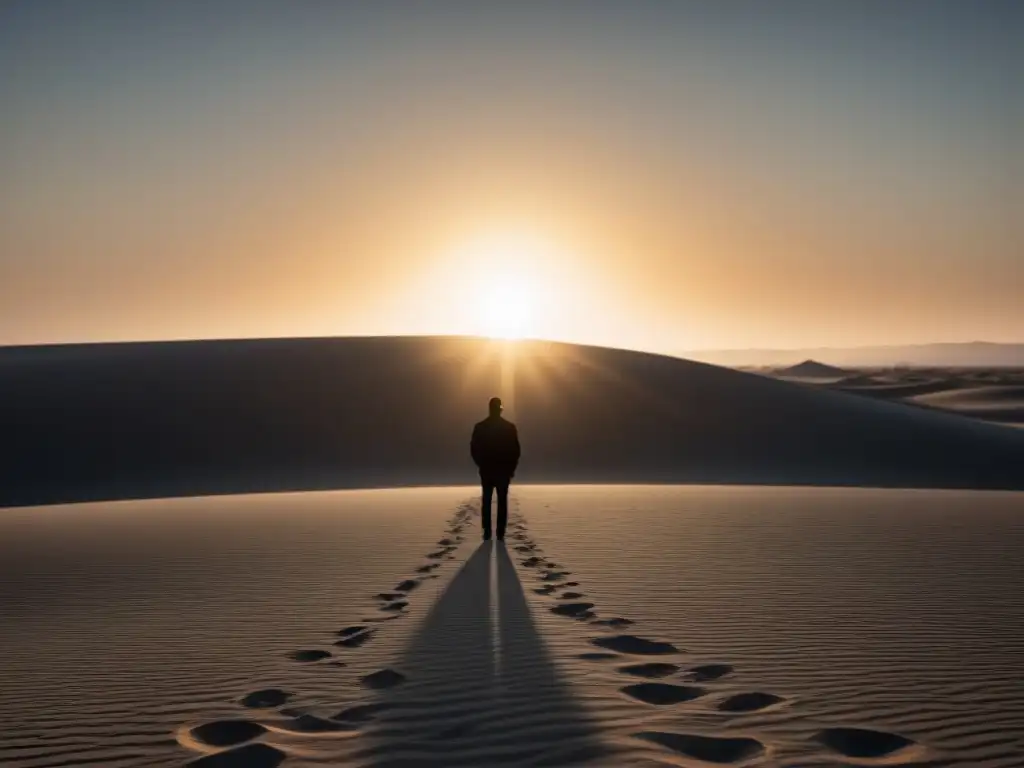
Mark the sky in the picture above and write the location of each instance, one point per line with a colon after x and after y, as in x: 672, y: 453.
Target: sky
x: 653, y: 175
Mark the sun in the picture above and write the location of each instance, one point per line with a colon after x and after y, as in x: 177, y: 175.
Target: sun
x: 503, y: 274
x: 507, y: 307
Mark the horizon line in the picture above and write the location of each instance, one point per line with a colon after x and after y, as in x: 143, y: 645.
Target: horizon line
x: 483, y: 337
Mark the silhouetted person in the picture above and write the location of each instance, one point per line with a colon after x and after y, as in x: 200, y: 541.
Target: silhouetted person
x: 495, y: 449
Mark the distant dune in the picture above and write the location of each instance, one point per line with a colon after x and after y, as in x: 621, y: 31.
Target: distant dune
x: 181, y: 418
x: 812, y: 369
x: 994, y: 394
x: 973, y: 353
x: 860, y: 380
x: 993, y: 403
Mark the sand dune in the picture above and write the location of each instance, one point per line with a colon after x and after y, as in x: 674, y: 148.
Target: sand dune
x: 992, y: 403
x: 748, y: 626
x: 977, y: 354
x: 902, y: 390
x: 811, y: 369
x: 993, y: 395
x: 144, y: 420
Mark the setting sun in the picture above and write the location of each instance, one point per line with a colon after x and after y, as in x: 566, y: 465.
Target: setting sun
x: 507, y: 310
x: 507, y: 279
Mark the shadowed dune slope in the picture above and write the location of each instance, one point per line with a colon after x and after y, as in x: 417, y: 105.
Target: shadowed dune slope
x: 181, y: 418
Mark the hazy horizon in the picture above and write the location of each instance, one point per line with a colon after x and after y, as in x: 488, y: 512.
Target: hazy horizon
x: 958, y: 353
x: 647, y: 176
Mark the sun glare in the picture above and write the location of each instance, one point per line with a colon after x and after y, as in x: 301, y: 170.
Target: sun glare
x: 508, y: 308
x: 506, y: 283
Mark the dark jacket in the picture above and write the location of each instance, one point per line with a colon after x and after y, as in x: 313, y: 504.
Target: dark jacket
x: 495, y: 447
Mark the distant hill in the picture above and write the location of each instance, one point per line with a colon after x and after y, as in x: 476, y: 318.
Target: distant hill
x: 108, y: 421
x: 975, y: 354
x: 812, y: 369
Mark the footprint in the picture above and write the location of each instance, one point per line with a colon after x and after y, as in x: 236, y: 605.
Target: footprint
x: 227, y: 733
x: 398, y: 605
x: 748, y: 702
x: 307, y: 656
x: 438, y: 555
x: 865, y: 743
x: 361, y: 713
x: 445, y: 542
x: 384, y: 678
x: 386, y: 596
x: 572, y: 583
x: 706, y: 672
x: 265, y: 698
x: 554, y: 575
x: 407, y: 586
x: 614, y: 622
x: 663, y: 694
x: 545, y: 590
x: 532, y: 562
x: 571, y: 596
x: 249, y: 756
x: 709, y: 749
x: 310, y: 724
x: 428, y: 568
x: 356, y: 640
x: 652, y: 670
x: 598, y: 656
x: 637, y: 646
x: 572, y: 609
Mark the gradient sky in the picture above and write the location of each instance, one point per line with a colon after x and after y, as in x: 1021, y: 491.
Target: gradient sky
x: 648, y: 174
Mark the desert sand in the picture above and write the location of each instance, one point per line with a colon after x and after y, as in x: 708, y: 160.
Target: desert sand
x: 971, y: 354
x: 990, y: 394
x: 109, y: 421
x: 617, y: 626
x: 726, y: 614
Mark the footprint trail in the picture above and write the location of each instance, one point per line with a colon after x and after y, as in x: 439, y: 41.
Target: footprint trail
x: 655, y: 675
x: 234, y: 742
x: 567, y: 598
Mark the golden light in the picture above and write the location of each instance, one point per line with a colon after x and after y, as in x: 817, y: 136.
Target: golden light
x: 507, y: 308
x: 507, y: 284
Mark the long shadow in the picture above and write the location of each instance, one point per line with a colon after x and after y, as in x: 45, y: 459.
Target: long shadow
x: 481, y: 688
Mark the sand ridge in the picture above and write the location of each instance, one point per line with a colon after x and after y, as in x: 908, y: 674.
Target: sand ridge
x: 218, y: 417
x: 994, y: 395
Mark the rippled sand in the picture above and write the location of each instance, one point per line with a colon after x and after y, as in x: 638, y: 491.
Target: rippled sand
x: 615, y: 626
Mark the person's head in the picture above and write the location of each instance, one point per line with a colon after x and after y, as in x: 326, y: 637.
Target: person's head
x: 494, y: 406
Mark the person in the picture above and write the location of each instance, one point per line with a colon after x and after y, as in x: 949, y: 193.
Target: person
x: 495, y: 451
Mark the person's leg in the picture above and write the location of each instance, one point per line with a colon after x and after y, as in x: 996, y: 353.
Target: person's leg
x: 485, y: 505
x: 502, y: 487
